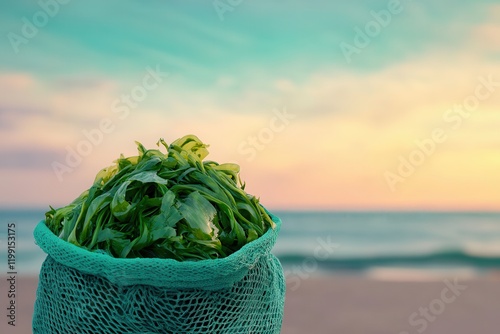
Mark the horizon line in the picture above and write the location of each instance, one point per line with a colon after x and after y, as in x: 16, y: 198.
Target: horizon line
x: 317, y: 210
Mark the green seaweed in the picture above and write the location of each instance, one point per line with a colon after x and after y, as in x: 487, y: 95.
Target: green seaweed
x: 165, y: 205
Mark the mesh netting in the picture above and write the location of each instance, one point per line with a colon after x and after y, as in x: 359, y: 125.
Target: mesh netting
x: 84, y: 292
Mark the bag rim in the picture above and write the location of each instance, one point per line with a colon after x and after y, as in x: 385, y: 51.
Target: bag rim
x: 217, y: 273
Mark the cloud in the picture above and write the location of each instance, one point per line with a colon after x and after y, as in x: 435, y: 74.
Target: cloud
x: 14, y: 81
x: 486, y: 35
x: 11, y: 117
x: 350, y: 127
x: 489, y: 36
x: 83, y: 83
x: 34, y: 158
x: 75, y: 101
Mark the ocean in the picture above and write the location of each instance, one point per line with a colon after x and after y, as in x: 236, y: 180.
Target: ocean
x: 384, y: 245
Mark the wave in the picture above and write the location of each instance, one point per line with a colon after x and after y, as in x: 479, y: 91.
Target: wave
x: 442, y: 258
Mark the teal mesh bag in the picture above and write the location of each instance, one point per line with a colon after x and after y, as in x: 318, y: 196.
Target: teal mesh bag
x: 83, y: 292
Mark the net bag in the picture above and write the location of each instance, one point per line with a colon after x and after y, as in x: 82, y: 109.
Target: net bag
x: 83, y: 292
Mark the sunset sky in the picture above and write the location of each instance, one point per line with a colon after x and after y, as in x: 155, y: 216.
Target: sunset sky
x: 372, y: 105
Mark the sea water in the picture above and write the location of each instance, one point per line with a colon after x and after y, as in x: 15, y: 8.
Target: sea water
x: 378, y: 244
x: 398, y: 245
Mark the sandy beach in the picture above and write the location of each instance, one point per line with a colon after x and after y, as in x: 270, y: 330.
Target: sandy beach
x: 355, y: 305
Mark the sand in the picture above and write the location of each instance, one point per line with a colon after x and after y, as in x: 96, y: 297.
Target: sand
x: 353, y: 305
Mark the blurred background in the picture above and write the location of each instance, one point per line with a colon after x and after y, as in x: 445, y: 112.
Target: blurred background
x: 370, y: 127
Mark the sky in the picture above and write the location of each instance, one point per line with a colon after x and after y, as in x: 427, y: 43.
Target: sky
x: 365, y: 105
